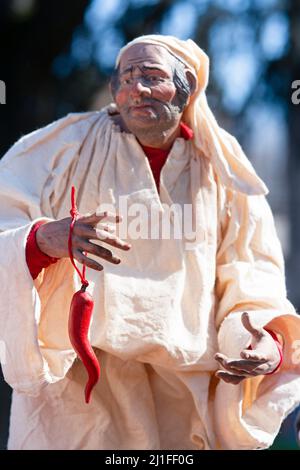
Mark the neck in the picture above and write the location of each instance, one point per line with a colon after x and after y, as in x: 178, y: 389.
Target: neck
x: 156, y: 138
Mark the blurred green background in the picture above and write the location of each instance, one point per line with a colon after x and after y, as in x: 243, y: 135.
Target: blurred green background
x: 57, y: 56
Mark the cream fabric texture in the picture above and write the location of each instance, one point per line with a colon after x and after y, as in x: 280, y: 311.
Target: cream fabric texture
x: 159, y: 317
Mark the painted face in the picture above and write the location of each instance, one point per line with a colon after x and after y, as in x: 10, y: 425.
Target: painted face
x: 146, y: 95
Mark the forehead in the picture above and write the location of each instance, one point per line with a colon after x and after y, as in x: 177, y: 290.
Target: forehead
x: 146, y: 54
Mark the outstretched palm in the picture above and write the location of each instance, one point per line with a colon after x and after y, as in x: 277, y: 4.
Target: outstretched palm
x: 261, y: 359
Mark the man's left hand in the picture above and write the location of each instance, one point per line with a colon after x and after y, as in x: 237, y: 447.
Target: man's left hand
x: 261, y: 359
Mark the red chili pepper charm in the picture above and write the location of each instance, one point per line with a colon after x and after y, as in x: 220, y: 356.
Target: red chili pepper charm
x: 79, y: 321
x: 81, y: 310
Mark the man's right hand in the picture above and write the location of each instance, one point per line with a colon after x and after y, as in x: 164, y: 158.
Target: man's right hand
x: 52, y: 238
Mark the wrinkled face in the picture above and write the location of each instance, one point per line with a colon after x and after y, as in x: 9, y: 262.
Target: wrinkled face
x: 146, y: 94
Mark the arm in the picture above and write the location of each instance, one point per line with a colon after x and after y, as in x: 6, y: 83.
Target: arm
x: 33, y: 179
x: 250, y: 278
x: 250, y: 273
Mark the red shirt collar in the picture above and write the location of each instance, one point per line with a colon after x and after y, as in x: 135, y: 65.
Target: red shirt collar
x: 157, y: 157
x: 185, y: 132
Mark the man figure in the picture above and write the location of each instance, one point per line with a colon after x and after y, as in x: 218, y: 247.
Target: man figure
x: 194, y: 336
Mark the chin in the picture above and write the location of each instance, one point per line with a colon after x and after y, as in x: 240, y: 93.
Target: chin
x: 141, y: 123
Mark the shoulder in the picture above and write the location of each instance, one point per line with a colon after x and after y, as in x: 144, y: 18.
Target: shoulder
x: 69, y: 130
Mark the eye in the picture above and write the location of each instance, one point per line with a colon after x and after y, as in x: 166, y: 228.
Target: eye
x: 154, y: 78
x: 126, y: 81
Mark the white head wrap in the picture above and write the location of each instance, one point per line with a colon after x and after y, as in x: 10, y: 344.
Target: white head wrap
x: 228, y: 159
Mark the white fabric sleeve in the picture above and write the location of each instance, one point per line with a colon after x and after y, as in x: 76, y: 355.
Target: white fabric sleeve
x: 24, y: 365
x: 250, y: 277
x: 30, y: 357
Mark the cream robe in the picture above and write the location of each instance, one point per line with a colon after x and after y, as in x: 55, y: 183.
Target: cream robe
x: 159, y: 315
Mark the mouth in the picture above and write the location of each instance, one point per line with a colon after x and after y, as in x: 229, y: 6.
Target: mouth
x: 141, y: 106
x: 143, y: 110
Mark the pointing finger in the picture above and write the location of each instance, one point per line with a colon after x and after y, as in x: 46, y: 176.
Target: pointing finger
x: 112, y: 239
x: 247, y: 323
x: 96, y: 217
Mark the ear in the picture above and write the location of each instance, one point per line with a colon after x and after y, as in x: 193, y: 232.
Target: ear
x: 192, y: 79
x: 114, y: 82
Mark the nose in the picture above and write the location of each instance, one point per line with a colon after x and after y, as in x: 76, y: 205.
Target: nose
x: 139, y: 89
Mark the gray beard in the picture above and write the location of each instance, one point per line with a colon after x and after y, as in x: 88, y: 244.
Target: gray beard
x: 151, y: 134
x: 160, y: 127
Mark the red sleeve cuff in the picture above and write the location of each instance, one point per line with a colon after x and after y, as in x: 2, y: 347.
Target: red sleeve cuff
x: 279, y: 347
x: 35, y: 258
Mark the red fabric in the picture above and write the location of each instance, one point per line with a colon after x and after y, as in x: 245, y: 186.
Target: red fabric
x: 279, y: 347
x: 157, y: 157
x: 35, y: 258
x: 186, y: 132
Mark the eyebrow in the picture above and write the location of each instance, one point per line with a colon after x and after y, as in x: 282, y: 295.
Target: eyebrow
x: 143, y: 68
